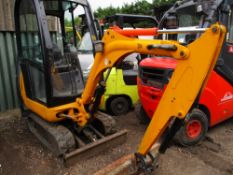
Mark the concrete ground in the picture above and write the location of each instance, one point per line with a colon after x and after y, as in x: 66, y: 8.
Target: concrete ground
x: 22, y: 154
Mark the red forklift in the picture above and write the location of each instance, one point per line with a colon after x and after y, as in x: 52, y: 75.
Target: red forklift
x: 216, y: 101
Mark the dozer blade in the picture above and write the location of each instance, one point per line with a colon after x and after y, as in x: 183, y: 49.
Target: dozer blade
x: 95, y: 147
x: 65, y: 142
x: 126, y: 165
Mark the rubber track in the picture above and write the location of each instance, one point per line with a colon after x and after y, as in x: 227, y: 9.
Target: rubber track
x: 108, y: 123
x: 57, y: 138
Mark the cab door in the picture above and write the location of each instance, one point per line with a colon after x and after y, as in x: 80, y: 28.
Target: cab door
x: 225, y: 63
x: 223, y: 84
x: 30, y: 52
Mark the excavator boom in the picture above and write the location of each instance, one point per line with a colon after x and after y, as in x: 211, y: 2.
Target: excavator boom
x: 114, y: 48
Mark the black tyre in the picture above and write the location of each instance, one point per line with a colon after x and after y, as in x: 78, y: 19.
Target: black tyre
x: 119, y: 106
x: 141, y: 114
x: 194, y: 129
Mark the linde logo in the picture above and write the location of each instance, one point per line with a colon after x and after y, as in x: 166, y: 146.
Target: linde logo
x: 228, y: 96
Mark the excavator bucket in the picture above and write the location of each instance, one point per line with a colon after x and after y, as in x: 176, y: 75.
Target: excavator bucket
x: 126, y: 165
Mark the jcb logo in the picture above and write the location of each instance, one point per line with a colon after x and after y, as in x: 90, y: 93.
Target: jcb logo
x: 139, y: 46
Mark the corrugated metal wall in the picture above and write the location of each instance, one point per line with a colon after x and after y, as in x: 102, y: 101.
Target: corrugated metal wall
x: 8, y: 54
x: 8, y: 95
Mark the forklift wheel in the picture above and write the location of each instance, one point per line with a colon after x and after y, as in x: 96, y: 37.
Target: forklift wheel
x: 194, y: 129
x: 141, y: 114
x: 119, y: 106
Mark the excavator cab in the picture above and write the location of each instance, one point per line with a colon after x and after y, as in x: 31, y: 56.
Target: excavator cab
x: 47, y: 54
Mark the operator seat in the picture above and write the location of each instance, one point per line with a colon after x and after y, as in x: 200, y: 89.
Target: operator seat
x: 66, y: 72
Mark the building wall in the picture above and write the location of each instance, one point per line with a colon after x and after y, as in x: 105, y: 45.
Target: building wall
x: 6, y: 15
x: 8, y: 94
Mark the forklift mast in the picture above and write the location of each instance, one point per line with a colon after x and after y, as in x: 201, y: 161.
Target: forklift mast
x: 198, y: 13
x: 218, y: 9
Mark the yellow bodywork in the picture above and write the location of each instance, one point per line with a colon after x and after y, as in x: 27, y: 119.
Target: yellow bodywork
x: 195, y: 62
x: 49, y: 114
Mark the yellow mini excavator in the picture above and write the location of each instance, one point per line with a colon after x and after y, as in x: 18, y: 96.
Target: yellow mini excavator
x: 51, y: 82
x: 63, y: 112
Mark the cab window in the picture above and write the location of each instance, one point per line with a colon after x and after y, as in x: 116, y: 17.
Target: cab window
x: 29, y: 33
x: 31, y: 50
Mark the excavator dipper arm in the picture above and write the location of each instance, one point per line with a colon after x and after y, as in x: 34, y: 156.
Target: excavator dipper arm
x: 187, y: 82
x: 115, y: 47
x: 195, y: 62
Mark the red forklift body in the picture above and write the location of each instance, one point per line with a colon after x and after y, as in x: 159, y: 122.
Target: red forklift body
x: 150, y: 95
x: 216, y: 99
